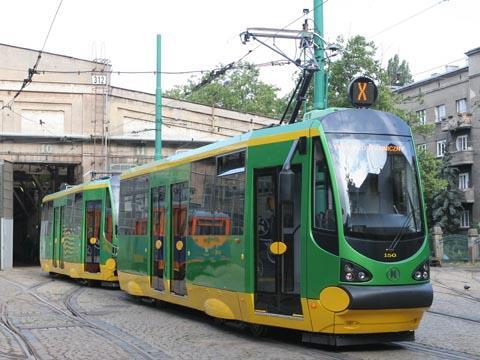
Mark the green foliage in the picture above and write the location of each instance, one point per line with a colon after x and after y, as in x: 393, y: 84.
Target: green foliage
x: 358, y: 58
x: 239, y: 89
x: 398, y: 72
x: 432, y: 181
x: 447, y: 205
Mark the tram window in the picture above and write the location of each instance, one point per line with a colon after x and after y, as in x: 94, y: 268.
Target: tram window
x: 47, y: 219
x: 231, y: 163
x: 108, y: 219
x: 77, y: 214
x: 324, y: 208
x: 217, y: 196
x: 134, y: 206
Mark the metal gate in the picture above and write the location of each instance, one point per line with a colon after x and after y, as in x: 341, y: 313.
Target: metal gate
x: 455, y: 248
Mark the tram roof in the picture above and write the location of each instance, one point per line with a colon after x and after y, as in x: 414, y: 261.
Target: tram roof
x: 91, y: 185
x: 332, y: 119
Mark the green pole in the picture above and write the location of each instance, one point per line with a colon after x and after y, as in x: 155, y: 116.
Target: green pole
x: 158, y: 102
x: 319, y: 82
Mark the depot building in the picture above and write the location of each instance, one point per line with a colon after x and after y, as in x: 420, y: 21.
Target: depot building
x: 69, y: 125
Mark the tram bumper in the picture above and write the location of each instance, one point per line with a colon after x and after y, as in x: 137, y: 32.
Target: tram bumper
x: 389, y: 297
x: 372, y: 314
x: 383, y: 309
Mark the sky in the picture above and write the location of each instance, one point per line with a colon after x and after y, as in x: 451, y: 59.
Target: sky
x: 200, y: 35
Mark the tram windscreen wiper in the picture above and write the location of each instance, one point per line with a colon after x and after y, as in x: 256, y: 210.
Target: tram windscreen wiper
x: 405, y: 226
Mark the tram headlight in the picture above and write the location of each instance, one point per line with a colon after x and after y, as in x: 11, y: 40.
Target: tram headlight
x: 351, y: 272
x: 422, y: 272
x: 417, y: 275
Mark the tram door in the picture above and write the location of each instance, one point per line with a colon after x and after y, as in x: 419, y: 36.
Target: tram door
x: 93, y: 209
x: 157, y: 236
x: 178, y: 236
x: 277, y: 245
x: 57, y: 235
x: 61, y: 238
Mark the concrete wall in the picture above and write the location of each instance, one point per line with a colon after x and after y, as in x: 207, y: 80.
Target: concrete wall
x: 6, y: 215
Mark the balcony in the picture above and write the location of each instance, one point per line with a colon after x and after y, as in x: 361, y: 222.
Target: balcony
x: 464, y: 157
x: 458, y: 122
x: 468, y: 195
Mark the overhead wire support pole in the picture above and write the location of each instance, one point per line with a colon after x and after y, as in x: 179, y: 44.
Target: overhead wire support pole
x: 158, y: 102
x: 320, y: 80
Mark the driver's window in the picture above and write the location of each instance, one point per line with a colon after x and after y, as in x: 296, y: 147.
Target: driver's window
x: 323, y: 204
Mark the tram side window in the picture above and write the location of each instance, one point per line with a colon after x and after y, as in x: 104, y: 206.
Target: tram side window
x: 108, y: 218
x: 78, y: 213
x: 217, y: 195
x: 134, y: 206
x: 47, y: 219
x: 202, y: 211
x: 230, y: 200
x: 324, y: 208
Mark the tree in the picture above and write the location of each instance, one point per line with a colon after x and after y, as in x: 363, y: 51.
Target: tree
x: 432, y: 181
x: 239, y: 89
x: 447, y: 205
x: 358, y: 58
x: 398, y: 72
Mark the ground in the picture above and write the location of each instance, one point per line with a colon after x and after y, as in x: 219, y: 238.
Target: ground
x: 55, y: 318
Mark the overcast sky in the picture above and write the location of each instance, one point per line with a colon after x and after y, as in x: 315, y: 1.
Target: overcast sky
x: 202, y: 34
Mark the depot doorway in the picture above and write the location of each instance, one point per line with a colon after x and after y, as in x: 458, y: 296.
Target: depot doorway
x: 31, y: 182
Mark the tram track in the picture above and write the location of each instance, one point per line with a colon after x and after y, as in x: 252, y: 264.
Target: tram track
x: 439, y: 353
x: 456, y: 292
x: 73, y: 312
x: 114, y: 336
x: 454, y: 316
x: 25, y: 345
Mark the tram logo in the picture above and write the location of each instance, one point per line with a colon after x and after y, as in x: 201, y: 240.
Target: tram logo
x: 393, y: 274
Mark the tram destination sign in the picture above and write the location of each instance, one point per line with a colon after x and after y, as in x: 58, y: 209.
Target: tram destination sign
x: 362, y: 92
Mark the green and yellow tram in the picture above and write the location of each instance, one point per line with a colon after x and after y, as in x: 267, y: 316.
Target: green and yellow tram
x: 77, y: 235
x: 317, y: 226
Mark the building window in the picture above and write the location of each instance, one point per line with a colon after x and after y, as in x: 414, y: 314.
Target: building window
x: 439, y: 112
x: 422, y: 116
x: 422, y: 147
x: 462, y: 143
x: 441, y: 145
x: 463, y: 181
x: 461, y: 105
x: 465, y: 219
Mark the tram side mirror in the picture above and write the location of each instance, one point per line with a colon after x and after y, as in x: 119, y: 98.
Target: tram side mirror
x: 286, y: 179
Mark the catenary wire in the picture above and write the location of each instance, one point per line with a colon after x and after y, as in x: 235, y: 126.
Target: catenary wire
x: 406, y: 19
x: 33, y: 70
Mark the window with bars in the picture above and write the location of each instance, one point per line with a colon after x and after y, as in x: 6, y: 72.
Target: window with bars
x: 441, y: 146
x: 463, y: 181
x: 465, y: 219
x: 422, y: 147
x: 422, y: 116
x: 462, y: 143
x: 461, y: 105
x: 439, y: 112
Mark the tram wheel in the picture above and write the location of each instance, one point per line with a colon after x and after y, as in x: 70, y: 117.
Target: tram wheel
x: 258, y: 330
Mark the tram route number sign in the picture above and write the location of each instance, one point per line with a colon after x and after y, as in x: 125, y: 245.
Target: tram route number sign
x: 362, y: 92
x: 99, y: 79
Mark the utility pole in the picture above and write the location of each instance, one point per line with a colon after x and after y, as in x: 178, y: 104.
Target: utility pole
x: 158, y: 102
x: 320, y: 80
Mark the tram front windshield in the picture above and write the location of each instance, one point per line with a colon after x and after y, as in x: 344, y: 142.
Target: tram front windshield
x: 378, y: 186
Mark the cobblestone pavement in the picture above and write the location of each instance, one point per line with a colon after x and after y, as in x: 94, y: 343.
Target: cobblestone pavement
x: 55, y: 318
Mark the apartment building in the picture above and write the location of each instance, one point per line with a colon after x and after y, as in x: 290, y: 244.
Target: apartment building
x: 450, y: 101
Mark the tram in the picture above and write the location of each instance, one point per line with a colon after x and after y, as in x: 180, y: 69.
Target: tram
x: 317, y: 226
x: 77, y: 236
